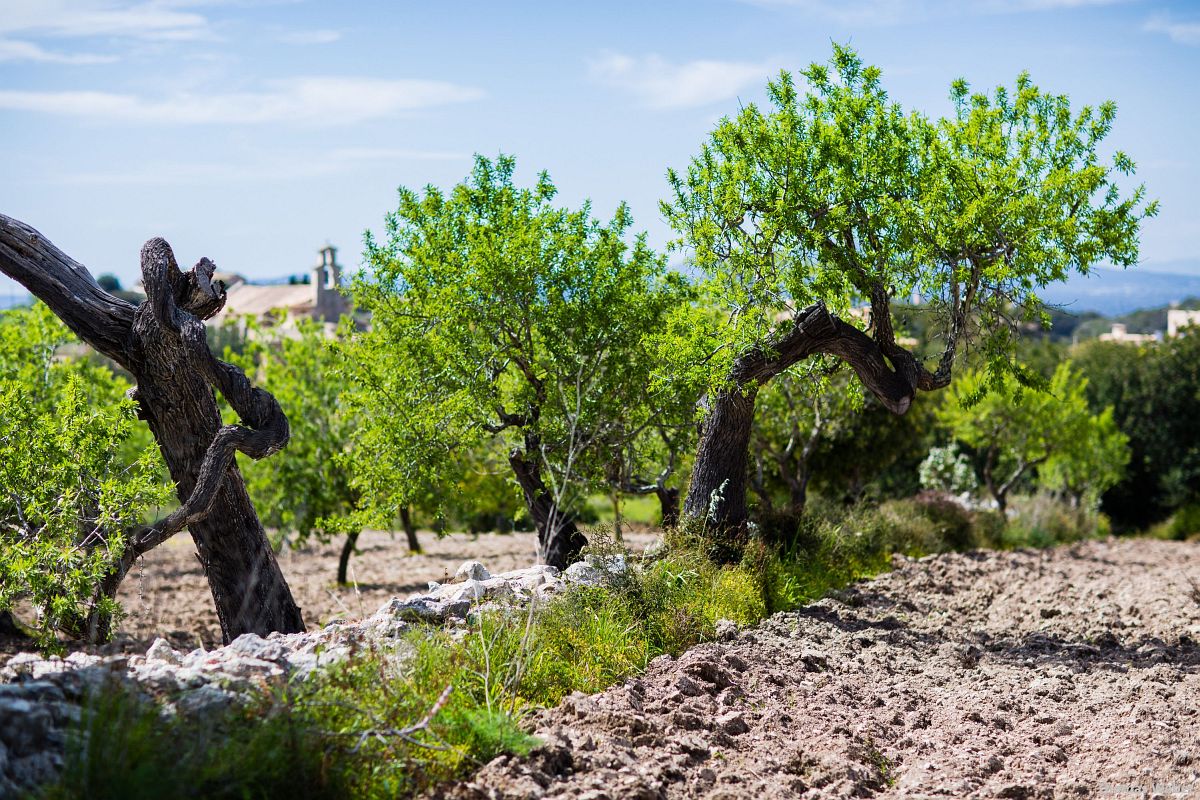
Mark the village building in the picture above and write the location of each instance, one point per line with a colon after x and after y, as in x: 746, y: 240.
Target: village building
x: 1120, y: 333
x: 1180, y: 318
x: 320, y: 297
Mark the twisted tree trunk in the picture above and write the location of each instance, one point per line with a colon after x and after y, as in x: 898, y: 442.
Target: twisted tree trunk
x: 717, y: 495
x: 162, y: 344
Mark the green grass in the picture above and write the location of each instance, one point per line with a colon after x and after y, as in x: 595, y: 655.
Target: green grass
x: 643, y: 509
x: 380, y: 727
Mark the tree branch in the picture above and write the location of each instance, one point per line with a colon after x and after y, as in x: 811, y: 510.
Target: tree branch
x: 65, y: 285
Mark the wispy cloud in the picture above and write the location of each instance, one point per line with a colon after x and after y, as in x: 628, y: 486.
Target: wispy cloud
x: 1178, y: 30
x: 891, y: 12
x: 661, y: 84
x: 15, y: 50
x: 145, y: 19
x: 309, y: 37
x: 313, y: 100
x: 271, y: 167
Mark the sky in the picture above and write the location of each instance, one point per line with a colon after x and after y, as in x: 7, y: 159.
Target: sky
x: 256, y: 131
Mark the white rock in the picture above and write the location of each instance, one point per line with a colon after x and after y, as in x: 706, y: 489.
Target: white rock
x: 471, y: 570
x: 161, y: 650
x: 582, y: 573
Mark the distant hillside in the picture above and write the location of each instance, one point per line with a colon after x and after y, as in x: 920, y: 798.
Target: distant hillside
x: 1114, y: 292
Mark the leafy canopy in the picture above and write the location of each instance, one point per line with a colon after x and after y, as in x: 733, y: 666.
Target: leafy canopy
x: 835, y: 194
x: 496, y: 313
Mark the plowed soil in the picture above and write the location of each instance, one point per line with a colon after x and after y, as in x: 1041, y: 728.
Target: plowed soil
x: 1065, y: 673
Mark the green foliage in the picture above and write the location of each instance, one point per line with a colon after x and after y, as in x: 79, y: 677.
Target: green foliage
x: 1018, y: 430
x: 501, y: 319
x: 308, y: 488
x: 77, y: 473
x: 836, y: 194
x: 1155, y: 398
x: 873, y: 454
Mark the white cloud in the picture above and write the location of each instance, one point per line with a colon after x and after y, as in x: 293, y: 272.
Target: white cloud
x: 1180, y: 32
x: 14, y: 50
x: 310, y: 37
x: 661, y: 84
x: 892, y: 12
x: 269, y: 167
x: 314, y: 100
x: 146, y: 19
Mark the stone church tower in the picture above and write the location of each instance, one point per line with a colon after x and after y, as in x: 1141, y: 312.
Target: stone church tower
x: 329, y: 304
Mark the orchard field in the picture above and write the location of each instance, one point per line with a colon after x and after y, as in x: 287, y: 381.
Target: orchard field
x: 818, y: 502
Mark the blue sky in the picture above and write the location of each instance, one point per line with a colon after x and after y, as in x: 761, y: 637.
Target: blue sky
x: 255, y: 131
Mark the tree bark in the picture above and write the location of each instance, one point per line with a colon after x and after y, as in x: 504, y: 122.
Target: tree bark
x: 668, y: 502
x: 162, y: 344
x: 344, y: 559
x: 410, y: 530
x: 717, y: 495
x: 559, y: 539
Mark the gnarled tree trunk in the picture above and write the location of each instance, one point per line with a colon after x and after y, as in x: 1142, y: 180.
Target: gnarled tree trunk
x: 717, y: 495
x: 162, y: 344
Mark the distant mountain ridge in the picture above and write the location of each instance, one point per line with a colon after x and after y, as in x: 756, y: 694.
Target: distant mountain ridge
x: 1114, y: 292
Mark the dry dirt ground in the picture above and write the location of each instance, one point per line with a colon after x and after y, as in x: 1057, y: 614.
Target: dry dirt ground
x: 1066, y: 673
x: 167, y: 594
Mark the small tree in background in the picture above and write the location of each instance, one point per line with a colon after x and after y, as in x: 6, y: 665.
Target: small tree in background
x: 1021, y: 432
x: 308, y: 489
x: 496, y: 315
x: 793, y: 413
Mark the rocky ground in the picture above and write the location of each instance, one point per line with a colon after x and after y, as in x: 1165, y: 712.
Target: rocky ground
x: 166, y: 594
x: 1066, y: 673
x: 42, y: 697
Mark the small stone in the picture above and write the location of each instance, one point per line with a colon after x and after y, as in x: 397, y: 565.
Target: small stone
x: 423, y: 609
x: 471, y: 570
x: 727, y: 630
x: 733, y: 723
x: 205, y: 700
x: 814, y: 661
x: 253, y: 645
x: 583, y: 574
x: 161, y: 650
x: 688, y: 687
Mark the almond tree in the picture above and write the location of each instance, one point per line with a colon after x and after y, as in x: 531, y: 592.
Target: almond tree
x: 1051, y: 435
x: 162, y: 344
x: 837, y: 196
x: 499, y: 316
